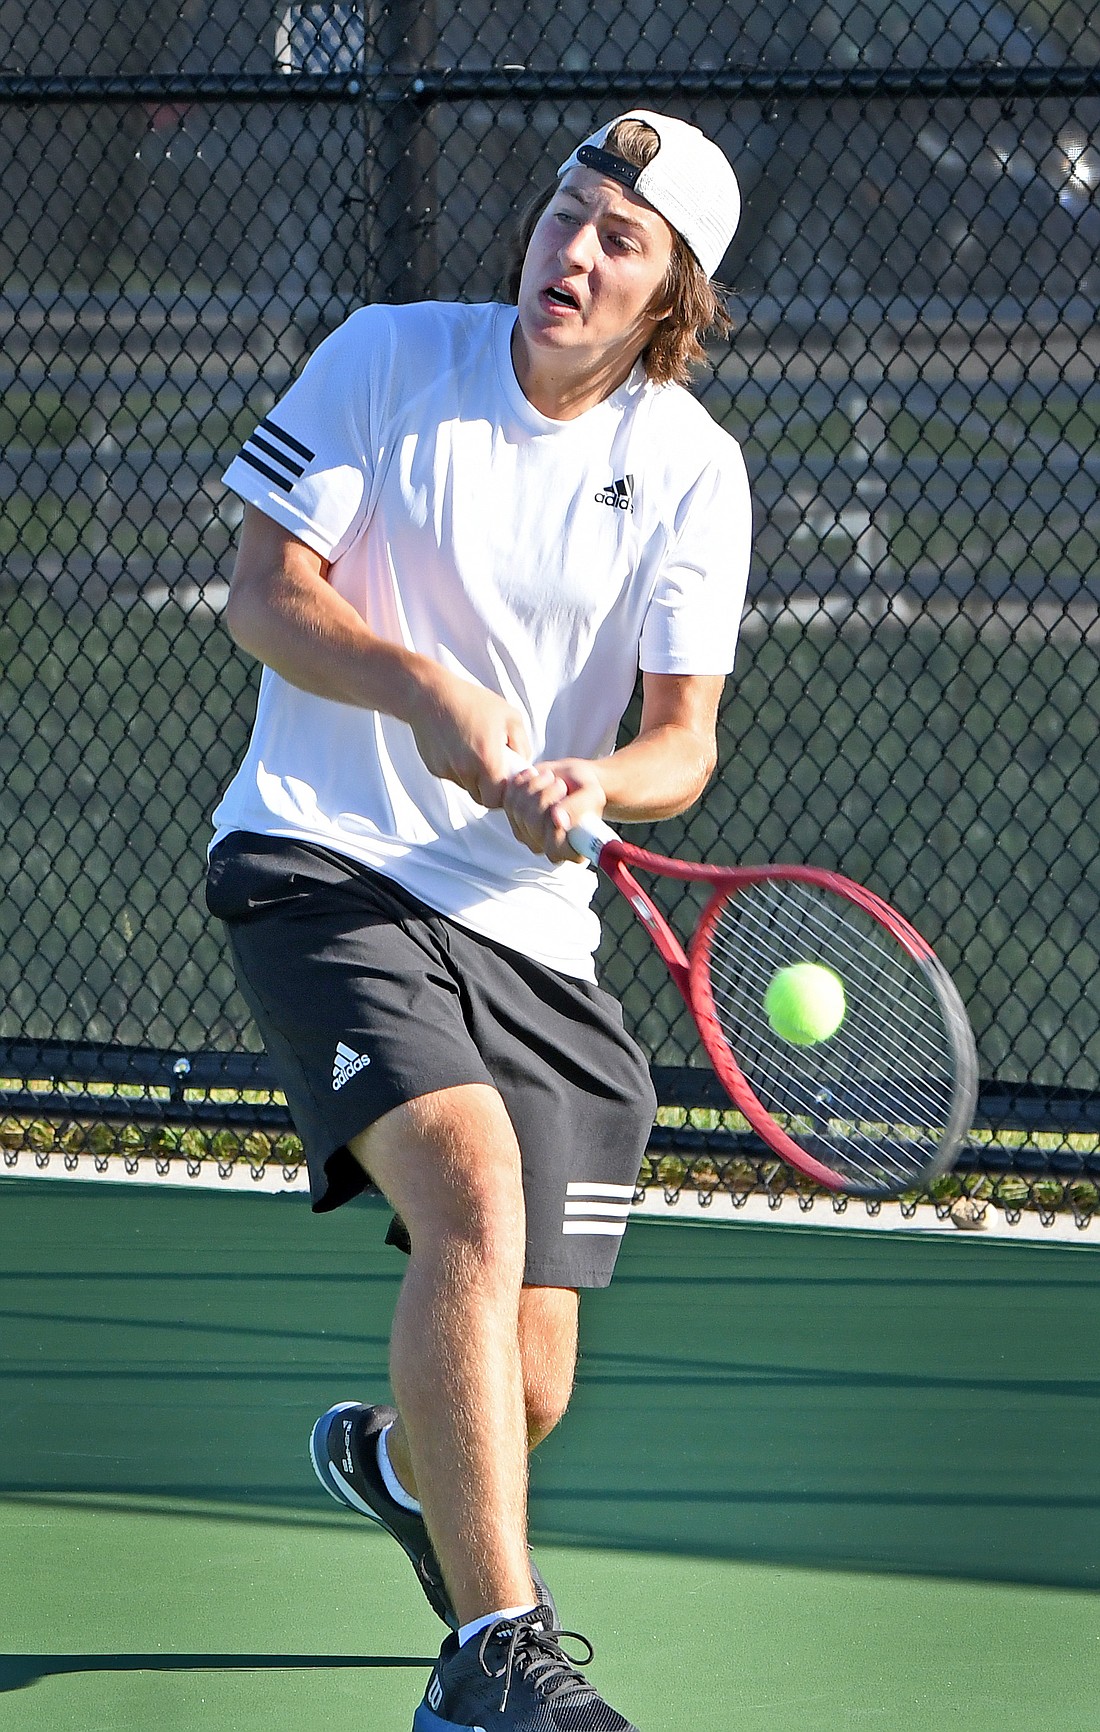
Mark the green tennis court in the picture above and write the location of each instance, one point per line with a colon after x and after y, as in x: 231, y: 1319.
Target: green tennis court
x: 812, y: 1479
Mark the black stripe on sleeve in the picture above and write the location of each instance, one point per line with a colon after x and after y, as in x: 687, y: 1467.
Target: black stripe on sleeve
x: 266, y: 469
x: 270, y: 450
x: 271, y: 426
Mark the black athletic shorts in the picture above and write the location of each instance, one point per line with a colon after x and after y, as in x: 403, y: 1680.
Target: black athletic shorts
x: 366, y: 998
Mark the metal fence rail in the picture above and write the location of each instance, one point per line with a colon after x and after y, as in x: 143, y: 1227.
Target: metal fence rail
x: 187, y: 208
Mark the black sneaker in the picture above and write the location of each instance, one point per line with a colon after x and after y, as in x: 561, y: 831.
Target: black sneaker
x: 343, y: 1447
x: 514, y: 1677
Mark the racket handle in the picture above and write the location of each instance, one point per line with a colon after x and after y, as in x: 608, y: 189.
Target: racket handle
x: 589, y: 833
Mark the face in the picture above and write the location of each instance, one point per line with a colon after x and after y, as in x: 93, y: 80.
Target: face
x: 590, y: 279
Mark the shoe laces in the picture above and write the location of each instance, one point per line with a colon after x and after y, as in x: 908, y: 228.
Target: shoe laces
x: 536, y: 1654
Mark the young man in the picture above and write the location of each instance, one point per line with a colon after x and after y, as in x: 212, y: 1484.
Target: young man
x: 468, y: 528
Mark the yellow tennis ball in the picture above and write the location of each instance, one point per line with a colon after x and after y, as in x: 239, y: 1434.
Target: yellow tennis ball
x: 805, y: 1003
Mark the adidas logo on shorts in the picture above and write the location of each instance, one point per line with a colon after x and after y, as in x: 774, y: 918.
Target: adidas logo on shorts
x: 347, y: 1064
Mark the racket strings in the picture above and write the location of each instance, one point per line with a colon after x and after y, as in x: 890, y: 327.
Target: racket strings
x: 875, y: 1098
x: 875, y: 962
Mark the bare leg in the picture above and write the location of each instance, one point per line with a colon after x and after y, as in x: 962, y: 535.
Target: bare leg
x: 548, y: 1358
x: 450, y: 1165
x: 548, y: 1355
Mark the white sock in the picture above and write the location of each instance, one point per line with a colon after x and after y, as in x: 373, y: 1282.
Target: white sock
x: 476, y: 1625
x: 389, y: 1478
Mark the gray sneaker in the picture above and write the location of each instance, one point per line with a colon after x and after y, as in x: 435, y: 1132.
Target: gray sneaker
x: 343, y: 1448
x: 514, y: 1677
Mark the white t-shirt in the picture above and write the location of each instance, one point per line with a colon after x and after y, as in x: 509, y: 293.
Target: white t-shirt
x: 545, y: 560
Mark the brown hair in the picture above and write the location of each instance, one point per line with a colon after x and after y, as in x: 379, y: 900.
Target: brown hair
x: 695, y: 306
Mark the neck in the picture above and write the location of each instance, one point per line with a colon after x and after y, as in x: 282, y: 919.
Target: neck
x: 562, y: 387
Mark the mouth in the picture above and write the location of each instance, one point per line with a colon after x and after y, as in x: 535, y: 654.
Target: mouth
x: 559, y: 296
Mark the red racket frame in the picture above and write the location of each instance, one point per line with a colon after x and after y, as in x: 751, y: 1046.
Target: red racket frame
x: 690, y: 968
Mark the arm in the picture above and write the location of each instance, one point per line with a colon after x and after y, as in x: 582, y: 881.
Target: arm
x: 283, y: 610
x: 663, y: 770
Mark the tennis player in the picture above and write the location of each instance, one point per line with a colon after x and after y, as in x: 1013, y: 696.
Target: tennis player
x: 467, y: 530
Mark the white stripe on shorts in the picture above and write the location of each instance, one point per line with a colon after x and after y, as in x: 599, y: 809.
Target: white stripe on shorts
x: 597, y: 1208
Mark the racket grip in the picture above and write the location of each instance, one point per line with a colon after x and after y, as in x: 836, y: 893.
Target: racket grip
x: 589, y: 833
x: 589, y: 836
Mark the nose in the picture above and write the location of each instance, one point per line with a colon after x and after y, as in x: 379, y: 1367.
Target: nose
x: 579, y: 247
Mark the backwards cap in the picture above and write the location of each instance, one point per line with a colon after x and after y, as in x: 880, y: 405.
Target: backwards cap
x: 689, y: 181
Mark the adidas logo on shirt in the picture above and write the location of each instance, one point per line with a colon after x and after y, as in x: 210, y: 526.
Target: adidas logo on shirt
x: 620, y: 495
x: 276, y: 455
x: 346, y: 1064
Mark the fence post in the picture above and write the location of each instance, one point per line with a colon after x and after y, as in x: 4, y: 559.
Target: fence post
x: 400, y: 168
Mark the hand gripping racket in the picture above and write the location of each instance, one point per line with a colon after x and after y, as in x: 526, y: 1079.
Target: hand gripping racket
x: 880, y: 1106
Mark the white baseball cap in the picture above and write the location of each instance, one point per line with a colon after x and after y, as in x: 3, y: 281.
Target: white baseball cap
x: 689, y: 181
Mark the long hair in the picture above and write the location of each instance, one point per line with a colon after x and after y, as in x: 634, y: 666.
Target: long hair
x: 695, y: 307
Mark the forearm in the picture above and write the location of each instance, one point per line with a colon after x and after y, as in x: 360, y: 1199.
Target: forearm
x: 660, y: 773
x: 313, y: 638
x: 283, y: 609
x: 664, y: 769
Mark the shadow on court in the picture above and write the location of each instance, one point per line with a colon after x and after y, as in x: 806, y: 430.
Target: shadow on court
x: 18, y: 1671
x: 786, y: 1395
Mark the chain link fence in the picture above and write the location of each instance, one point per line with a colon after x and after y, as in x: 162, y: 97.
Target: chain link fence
x: 194, y: 194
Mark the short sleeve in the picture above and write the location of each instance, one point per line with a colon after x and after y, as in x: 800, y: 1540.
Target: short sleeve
x: 310, y: 462
x: 694, y: 613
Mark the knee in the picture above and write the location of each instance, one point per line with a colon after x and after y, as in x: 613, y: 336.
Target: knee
x: 479, y: 1241
x: 545, y: 1405
x: 450, y: 1166
x: 471, y: 1240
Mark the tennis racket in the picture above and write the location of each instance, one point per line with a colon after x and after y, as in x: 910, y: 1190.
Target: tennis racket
x: 883, y: 1104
